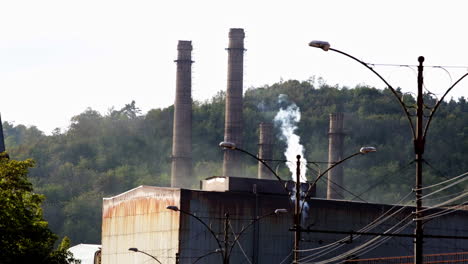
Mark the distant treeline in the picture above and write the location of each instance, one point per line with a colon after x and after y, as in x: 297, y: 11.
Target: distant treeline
x: 104, y: 155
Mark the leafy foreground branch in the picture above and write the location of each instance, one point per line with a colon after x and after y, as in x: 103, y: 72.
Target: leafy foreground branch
x: 24, y: 235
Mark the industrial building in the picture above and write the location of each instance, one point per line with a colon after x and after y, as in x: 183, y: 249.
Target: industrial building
x: 140, y: 219
x: 247, y: 216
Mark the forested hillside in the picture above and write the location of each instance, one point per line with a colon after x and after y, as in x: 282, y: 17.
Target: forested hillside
x: 101, y: 155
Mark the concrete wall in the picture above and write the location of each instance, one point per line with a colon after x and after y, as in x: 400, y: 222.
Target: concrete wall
x: 139, y: 218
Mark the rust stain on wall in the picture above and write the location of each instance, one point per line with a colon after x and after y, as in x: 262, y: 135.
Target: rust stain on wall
x: 139, y: 218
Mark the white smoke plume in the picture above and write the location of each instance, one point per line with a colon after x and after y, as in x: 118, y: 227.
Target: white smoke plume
x: 286, y: 119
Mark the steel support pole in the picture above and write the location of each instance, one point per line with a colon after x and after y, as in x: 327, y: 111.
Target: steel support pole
x: 297, y: 211
x: 419, y: 150
x: 226, y: 239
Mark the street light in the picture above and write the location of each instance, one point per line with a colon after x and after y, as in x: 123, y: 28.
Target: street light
x: 419, y: 133
x: 362, y: 151
x: 218, y: 250
x: 225, y: 250
x: 136, y: 250
x: 232, y: 146
x: 298, y: 208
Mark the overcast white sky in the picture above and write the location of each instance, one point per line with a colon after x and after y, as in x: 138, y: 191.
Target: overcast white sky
x: 59, y: 57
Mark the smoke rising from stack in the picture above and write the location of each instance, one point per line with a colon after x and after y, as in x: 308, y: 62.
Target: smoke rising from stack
x: 181, y: 173
x: 232, y: 165
x: 286, y: 119
x: 265, y: 150
x: 335, y: 154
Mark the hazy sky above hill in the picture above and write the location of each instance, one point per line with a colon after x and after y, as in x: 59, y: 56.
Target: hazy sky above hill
x: 59, y: 57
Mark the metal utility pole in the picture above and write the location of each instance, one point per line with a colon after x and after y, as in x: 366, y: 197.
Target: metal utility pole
x: 419, y: 132
x: 297, y: 211
x: 419, y: 150
x: 226, y: 239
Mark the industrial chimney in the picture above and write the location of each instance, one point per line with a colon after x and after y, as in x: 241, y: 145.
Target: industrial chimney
x: 265, y: 150
x: 2, y: 139
x: 335, y: 154
x: 232, y: 165
x: 182, y: 129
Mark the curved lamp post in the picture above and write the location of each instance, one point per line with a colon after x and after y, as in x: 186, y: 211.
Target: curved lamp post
x: 362, y: 151
x: 232, y: 146
x: 136, y: 250
x: 298, y: 207
x: 226, y: 249
x: 418, y: 131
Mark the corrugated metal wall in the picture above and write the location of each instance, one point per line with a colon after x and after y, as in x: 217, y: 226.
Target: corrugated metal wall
x: 274, y: 241
x: 139, y: 218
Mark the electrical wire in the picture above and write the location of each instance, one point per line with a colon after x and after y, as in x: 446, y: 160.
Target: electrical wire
x: 344, y: 189
x: 385, y: 239
x: 369, y: 242
x: 443, y: 197
x: 409, y: 66
x: 443, y: 212
x: 382, y: 218
x: 363, y: 246
x: 444, y: 188
x: 436, y: 170
x: 384, y: 178
x: 440, y: 183
x: 338, y: 244
x: 290, y: 253
x: 445, y: 203
x: 239, y: 244
x: 335, y: 190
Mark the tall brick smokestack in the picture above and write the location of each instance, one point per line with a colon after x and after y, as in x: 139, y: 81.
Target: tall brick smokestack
x: 265, y: 150
x: 2, y: 139
x: 232, y: 165
x: 182, y: 130
x: 335, y: 154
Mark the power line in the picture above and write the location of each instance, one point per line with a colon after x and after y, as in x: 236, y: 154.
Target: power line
x: 344, y: 189
x: 409, y: 65
x: 364, y: 245
x: 445, y: 203
x: 384, y: 178
x: 436, y: 170
x: 440, y: 183
x: 443, y: 197
x: 444, y: 212
x: 238, y: 243
x: 324, y: 250
x: 444, y: 188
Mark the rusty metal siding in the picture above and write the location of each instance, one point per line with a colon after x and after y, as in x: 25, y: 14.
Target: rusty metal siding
x: 139, y: 218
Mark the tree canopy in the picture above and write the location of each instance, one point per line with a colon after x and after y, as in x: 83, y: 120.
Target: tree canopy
x: 101, y: 155
x: 24, y: 235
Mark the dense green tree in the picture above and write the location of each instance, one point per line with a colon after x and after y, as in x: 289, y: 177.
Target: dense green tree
x: 101, y: 155
x: 24, y: 235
